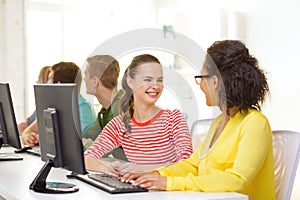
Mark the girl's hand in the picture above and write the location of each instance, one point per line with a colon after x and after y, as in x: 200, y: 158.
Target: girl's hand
x: 94, y: 164
x: 150, y: 180
x: 30, y: 139
x: 124, y: 168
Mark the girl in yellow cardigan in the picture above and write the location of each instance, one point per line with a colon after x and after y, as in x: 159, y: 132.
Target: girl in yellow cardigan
x: 236, y: 155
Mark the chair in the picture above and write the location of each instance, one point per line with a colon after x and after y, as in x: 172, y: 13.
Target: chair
x: 286, y: 150
x: 198, y: 130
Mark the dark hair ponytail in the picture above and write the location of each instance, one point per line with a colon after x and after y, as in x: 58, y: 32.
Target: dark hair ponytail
x: 127, y: 100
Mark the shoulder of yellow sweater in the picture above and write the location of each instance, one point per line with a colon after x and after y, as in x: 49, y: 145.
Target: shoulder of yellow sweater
x: 256, y: 114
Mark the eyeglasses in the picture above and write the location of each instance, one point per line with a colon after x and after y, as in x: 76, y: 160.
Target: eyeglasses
x: 198, y: 78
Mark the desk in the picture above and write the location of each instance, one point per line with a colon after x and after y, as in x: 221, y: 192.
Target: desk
x: 16, y: 176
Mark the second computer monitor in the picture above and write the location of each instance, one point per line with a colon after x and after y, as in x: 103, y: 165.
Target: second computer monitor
x: 8, y: 126
x: 58, y: 103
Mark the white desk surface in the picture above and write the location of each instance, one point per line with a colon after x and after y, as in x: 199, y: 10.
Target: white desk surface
x: 16, y: 176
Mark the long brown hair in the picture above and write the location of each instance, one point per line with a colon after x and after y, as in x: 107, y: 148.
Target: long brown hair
x: 44, y: 73
x: 127, y: 101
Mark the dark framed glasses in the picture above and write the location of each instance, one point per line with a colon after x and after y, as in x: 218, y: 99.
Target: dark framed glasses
x: 198, y: 78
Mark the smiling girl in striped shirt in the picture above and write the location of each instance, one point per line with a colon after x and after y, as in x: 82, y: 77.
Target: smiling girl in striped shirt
x: 150, y: 136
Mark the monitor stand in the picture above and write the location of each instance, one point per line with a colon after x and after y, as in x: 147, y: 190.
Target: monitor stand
x: 39, y: 184
x: 8, y: 156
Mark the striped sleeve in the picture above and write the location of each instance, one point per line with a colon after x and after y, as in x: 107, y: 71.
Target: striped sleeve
x: 107, y: 140
x: 181, y: 135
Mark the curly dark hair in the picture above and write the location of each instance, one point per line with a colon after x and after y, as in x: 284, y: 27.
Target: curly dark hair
x: 244, y: 82
x: 127, y: 100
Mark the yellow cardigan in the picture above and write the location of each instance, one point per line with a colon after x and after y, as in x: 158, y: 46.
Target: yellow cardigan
x: 241, y: 160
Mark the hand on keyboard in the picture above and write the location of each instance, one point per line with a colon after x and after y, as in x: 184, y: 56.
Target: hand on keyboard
x: 112, y: 184
x: 123, y: 168
x: 108, y: 168
x: 150, y: 180
x: 99, y: 165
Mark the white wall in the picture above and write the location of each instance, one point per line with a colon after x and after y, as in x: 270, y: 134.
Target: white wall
x: 273, y: 34
x: 12, y: 51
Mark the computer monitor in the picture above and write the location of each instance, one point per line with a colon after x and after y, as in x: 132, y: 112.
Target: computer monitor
x: 9, y: 134
x: 59, y: 134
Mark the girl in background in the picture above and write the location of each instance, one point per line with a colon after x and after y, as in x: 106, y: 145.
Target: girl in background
x: 43, y: 78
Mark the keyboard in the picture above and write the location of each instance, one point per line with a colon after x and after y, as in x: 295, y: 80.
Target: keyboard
x: 109, y: 183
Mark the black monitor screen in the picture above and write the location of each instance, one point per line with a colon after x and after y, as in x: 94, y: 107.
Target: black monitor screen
x: 64, y: 99
x: 59, y: 127
x: 8, y: 126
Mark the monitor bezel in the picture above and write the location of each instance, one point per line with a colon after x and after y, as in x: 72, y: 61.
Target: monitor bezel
x: 64, y: 98
x: 11, y: 134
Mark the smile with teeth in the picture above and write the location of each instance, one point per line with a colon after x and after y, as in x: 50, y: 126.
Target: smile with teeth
x: 153, y: 94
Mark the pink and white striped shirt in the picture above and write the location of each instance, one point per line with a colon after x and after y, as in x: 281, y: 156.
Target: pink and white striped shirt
x: 163, y: 139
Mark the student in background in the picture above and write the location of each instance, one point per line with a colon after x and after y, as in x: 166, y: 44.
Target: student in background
x: 42, y: 78
x: 150, y: 136
x: 63, y: 72
x: 101, y: 79
x: 237, y: 154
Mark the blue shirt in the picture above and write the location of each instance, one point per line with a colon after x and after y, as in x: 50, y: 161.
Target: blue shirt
x: 87, y: 114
